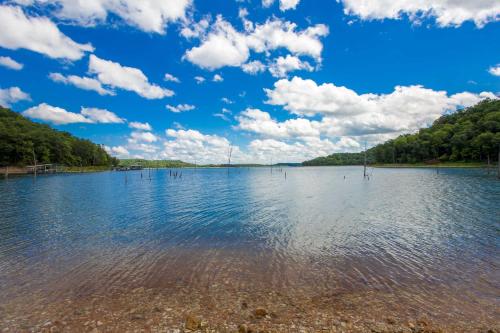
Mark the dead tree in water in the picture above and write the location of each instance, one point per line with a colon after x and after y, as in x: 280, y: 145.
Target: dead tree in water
x: 34, y: 161
x: 365, y: 175
x: 229, y: 154
x: 498, y: 162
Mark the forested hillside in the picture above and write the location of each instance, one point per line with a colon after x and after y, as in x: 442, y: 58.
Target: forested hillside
x: 337, y: 159
x: 21, y: 140
x: 469, y: 135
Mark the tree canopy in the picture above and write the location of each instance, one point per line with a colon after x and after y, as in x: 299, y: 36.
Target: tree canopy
x: 22, y: 140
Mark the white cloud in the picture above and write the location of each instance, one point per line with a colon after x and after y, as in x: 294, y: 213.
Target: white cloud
x: 171, y: 78
x: 11, y: 63
x: 221, y: 116
x: 253, y: 67
x: 284, y: 4
x: 267, y: 150
x: 85, y: 83
x: 226, y: 100
x: 180, y: 108
x: 55, y: 115
x: 137, y: 137
x: 140, y: 126
x: 195, y: 29
x: 192, y: 145
x: 217, y: 78
x: 495, y: 70
x: 199, y: 79
x: 117, y: 151
x: 446, y: 12
x: 346, y: 112
x: 223, y: 45
x: 146, y: 15
x: 127, y: 78
x: 60, y: 116
x: 102, y: 116
x: 37, y: 34
x: 283, y: 65
x: 260, y: 122
x: 12, y: 95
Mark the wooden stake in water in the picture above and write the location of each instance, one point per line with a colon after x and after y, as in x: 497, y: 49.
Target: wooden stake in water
x: 498, y: 162
x: 364, y: 168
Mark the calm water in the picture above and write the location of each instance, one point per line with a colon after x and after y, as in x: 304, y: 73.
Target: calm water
x: 405, y: 231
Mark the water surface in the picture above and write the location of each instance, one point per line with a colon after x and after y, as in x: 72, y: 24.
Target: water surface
x: 417, y: 236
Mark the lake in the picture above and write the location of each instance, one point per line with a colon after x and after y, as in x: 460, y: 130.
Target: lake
x: 316, y: 242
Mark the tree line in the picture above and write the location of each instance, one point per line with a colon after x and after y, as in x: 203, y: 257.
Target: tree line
x: 22, y: 141
x: 468, y: 135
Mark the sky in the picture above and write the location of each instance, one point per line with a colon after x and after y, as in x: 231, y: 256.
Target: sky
x: 271, y: 81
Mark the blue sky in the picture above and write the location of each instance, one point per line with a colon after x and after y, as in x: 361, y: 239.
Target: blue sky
x: 286, y: 80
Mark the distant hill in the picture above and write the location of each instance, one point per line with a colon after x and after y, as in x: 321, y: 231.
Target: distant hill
x: 337, y: 159
x: 154, y: 163
x: 469, y: 135
x: 22, y: 139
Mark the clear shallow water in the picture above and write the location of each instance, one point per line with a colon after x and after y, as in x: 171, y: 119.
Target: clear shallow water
x: 411, y: 233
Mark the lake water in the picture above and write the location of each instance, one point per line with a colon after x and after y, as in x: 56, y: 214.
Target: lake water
x: 416, y: 239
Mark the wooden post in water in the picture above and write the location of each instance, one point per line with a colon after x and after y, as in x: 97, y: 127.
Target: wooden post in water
x: 230, y: 152
x: 34, y: 161
x: 364, y: 168
x: 498, y: 162
x: 488, y: 168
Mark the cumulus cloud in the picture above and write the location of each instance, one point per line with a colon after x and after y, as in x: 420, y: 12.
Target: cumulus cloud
x: 346, y: 112
x: 191, y: 145
x: 119, y: 151
x: 137, y: 137
x: 12, y: 95
x: 11, y: 63
x: 85, y: 83
x: 127, y: 78
x: 226, y: 100
x: 446, y: 12
x: 199, y: 79
x: 37, y: 34
x: 272, y: 150
x: 223, y: 45
x: 495, y: 70
x: 102, y: 116
x: 146, y: 15
x: 180, y: 108
x: 140, y: 126
x: 260, y: 122
x: 171, y: 78
x: 54, y: 114
x: 60, y: 116
x: 283, y: 65
x: 253, y: 67
x: 284, y: 4
x: 217, y: 78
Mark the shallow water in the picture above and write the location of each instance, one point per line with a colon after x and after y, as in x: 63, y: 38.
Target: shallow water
x: 413, y: 234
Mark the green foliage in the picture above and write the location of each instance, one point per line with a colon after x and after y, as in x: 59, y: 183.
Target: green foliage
x: 21, y: 140
x: 337, y: 159
x: 469, y: 135
x: 154, y: 163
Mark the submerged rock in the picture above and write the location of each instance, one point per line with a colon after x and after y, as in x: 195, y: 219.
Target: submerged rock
x: 192, y: 323
x: 260, y: 312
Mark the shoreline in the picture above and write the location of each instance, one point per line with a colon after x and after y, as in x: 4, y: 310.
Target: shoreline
x: 224, y: 308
